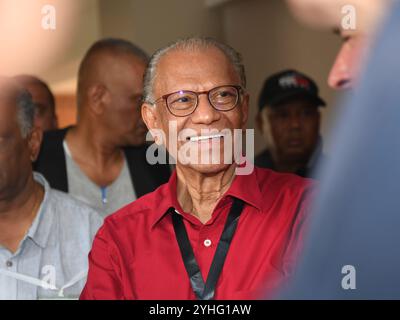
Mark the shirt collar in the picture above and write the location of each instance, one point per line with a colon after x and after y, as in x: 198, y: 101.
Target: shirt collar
x: 40, y: 229
x: 165, y: 199
x: 240, y: 188
x: 247, y: 188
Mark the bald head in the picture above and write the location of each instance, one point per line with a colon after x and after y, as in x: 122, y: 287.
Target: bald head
x: 103, y: 55
x: 110, y: 88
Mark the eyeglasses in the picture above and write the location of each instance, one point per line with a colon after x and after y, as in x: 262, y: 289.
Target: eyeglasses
x: 184, y: 102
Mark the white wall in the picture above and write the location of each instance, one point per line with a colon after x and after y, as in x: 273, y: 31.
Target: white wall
x: 86, y: 23
x: 154, y: 23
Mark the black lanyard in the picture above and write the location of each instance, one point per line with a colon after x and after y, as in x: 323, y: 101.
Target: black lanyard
x: 206, y: 291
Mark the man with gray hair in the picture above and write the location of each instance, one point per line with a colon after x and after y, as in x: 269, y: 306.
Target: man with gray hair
x: 210, y: 232
x: 44, y: 100
x: 45, y: 235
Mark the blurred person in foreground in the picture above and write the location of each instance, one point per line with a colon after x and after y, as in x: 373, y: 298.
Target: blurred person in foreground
x: 289, y: 119
x: 102, y: 159
x: 209, y: 233
x: 352, y: 248
x: 43, y: 98
x: 334, y: 15
x: 45, y: 235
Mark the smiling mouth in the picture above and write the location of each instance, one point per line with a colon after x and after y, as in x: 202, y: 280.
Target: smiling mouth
x: 202, y: 138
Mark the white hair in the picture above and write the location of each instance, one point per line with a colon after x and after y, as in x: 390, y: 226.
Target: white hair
x: 190, y: 44
x: 26, y: 112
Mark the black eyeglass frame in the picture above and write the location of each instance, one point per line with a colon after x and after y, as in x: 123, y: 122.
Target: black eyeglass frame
x: 239, y: 90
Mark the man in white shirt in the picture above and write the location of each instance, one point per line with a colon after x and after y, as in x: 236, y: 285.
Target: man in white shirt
x: 45, y: 235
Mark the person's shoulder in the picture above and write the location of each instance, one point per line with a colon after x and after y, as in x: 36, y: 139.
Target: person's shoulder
x: 73, y: 219
x: 51, y: 159
x: 67, y: 206
x: 139, y: 211
x: 50, y: 149
x: 55, y: 136
x: 290, y: 195
x: 270, y: 180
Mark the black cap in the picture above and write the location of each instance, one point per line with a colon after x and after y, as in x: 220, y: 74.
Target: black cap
x: 288, y: 84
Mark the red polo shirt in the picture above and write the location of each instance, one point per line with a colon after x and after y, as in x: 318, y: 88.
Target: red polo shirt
x: 135, y: 254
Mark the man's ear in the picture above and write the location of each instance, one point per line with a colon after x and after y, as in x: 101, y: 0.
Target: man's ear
x: 97, y: 96
x: 151, y: 119
x: 34, y: 142
x: 150, y: 116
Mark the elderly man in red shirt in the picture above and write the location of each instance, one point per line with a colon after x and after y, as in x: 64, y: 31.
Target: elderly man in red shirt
x: 209, y: 233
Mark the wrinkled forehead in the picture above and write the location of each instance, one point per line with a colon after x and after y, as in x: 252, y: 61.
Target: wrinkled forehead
x: 194, y: 69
